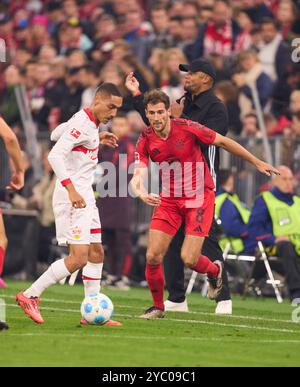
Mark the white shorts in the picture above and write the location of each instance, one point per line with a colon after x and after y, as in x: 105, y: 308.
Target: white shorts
x: 77, y: 226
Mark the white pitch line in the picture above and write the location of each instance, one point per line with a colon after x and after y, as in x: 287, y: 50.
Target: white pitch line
x: 282, y: 330
x: 189, y: 338
x: 233, y: 316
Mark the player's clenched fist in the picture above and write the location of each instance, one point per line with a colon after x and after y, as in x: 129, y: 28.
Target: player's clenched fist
x: 76, y: 199
x: 151, y: 199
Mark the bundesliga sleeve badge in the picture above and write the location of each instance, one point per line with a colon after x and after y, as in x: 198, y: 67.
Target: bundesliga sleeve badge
x: 75, y: 133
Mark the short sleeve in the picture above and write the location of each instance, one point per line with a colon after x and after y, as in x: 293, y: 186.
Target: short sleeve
x: 141, y: 155
x: 203, y: 133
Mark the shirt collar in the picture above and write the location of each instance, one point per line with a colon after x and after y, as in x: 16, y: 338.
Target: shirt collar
x: 200, y: 98
x: 91, y: 117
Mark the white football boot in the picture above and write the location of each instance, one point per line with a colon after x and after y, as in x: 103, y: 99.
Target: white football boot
x: 224, y: 307
x: 176, y: 306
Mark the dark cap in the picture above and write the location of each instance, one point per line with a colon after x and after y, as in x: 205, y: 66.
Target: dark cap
x: 199, y: 65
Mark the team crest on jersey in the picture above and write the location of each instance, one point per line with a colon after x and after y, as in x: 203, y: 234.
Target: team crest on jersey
x: 76, y: 232
x: 155, y: 152
x: 180, y: 143
x: 75, y: 133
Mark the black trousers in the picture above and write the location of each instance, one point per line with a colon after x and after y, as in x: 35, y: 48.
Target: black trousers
x: 174, y: 267
x: 118, y: 242
x: 290, y: 260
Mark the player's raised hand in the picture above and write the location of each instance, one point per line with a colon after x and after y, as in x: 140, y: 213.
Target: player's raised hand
x: 266, y: 169
x: 177, y: 108
x: 151, y: 199
x: 76, y: 199
x: 132, y: 84
x: 17, y: 181
x: 108, y: 139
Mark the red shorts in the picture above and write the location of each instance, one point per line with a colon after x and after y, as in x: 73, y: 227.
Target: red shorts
x: 169, y: 216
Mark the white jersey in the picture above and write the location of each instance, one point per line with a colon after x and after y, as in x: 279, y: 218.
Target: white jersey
x: 75, y: 156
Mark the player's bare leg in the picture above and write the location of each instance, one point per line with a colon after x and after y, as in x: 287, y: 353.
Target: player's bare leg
x: 30, y: 298
x: 192, y: 258
x: 91, y: 275
x: 3, y: 246
x: 158, y: 245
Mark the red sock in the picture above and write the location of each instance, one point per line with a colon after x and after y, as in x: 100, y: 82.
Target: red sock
x: 205, y: 266
x: 2, y: 257
x: 127, y: 265
x: 156, y: 283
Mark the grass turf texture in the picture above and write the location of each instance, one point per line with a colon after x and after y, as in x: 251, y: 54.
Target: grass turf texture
x: 260, y: 333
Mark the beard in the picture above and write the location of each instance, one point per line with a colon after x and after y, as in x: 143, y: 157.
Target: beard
x: 188, y: 88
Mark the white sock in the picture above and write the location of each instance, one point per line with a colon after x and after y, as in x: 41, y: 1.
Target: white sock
x: 56, y: 272
x: 91, y: 277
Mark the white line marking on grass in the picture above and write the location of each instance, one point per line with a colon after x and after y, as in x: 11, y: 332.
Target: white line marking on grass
x: 256, y: 318
x: 282, y: 330
x: 189, y: 338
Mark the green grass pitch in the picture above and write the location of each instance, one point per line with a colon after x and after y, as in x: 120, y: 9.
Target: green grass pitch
x: 260, y: 333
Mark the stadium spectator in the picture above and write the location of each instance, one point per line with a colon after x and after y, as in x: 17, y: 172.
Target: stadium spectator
x: 234, y: 217
x: 8, y: 103
x: 155, y: 64
x: 274, y: 53
x: 287, y: 147
x: 134, y: 33
x: 252, y: 74
x: 175, y: 30
x: 274, y: 221
x: 250, y: 126
x: 190, y: 35
x: 89, y: 78
x: 221, y: 34
x: 287, y: 16
x: 70, y: 100
x: 170, y: 75
x: 160, y: 37
x: 257, y: 9
x: 47, y: 53
x: 116, y: 212
x: 227, y: 92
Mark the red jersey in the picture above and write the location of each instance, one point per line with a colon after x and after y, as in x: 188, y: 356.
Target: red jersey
x: 179, y: 156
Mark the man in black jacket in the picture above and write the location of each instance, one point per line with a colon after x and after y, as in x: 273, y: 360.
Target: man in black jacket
x: 200, y: 105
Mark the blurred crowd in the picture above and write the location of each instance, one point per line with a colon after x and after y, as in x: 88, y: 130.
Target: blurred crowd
x: 59, y: 51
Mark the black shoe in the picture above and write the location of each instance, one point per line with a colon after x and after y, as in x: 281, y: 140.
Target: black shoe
x: 153, y: 312
x: 3, y: 326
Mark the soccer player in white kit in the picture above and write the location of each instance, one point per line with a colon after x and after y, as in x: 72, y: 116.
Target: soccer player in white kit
x: 74, y: 158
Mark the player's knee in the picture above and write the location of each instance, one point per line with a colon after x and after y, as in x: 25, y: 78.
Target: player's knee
x: 80, y: 260
x: 3, y: 241
x: 153, y: 258
x: 188, y: 259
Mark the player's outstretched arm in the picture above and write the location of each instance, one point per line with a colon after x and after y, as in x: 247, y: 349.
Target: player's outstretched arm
x: 238, y: 150
x: 13, y: 149
x: 139, y: 189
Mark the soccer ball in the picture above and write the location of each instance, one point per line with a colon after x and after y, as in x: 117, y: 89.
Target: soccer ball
x: 97, y: 309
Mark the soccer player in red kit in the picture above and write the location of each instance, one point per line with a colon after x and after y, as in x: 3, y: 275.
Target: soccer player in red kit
x: 186, y: 194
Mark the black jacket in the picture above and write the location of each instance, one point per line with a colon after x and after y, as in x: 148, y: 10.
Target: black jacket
x: 206, y: 109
